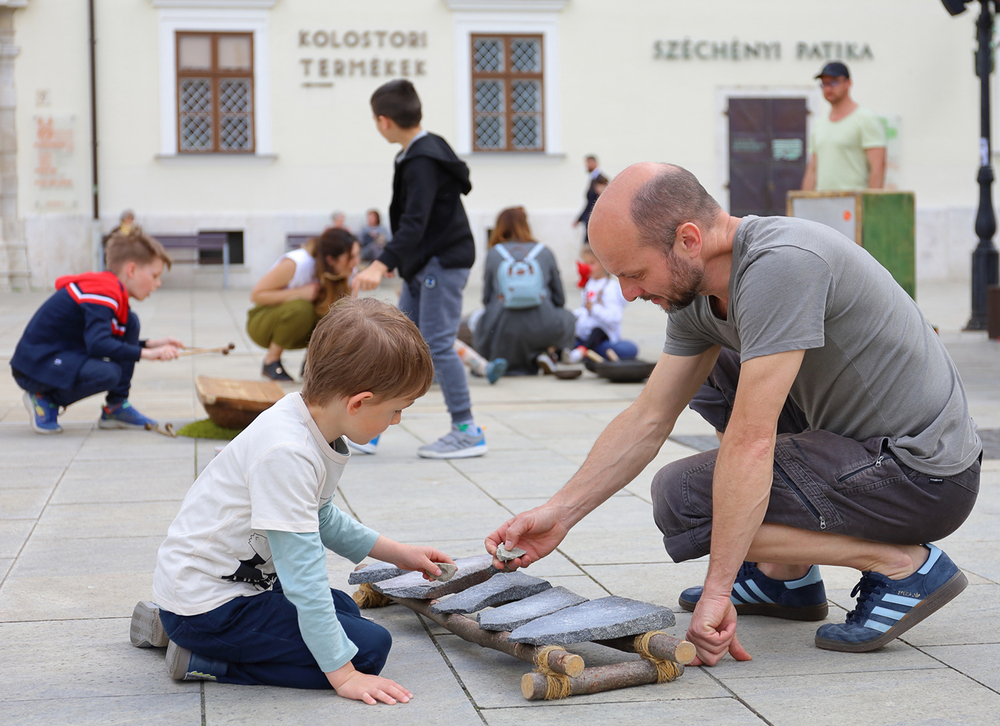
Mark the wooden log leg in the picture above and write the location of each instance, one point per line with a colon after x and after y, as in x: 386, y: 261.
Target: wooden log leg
x: 558, y: 660
x: 537, y: 687
x: 660, y: 645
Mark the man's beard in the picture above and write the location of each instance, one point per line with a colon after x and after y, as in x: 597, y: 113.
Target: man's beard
x: 688, y: 279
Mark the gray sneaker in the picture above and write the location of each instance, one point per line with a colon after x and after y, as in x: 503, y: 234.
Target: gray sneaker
x: 146, y: 631
x: 459, y: 443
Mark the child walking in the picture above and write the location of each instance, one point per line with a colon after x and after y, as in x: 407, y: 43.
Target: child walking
x: 241, y: 585
x: 84, y: 339
x: 432, y: 248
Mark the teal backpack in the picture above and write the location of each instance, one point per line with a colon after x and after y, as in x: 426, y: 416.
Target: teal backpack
x: 520, y: 283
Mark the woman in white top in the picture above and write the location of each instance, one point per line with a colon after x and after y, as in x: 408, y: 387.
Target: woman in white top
x: 296, y: 292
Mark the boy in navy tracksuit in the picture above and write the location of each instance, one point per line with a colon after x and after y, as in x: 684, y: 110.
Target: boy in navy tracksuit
x: 432, y: 248
x: 84, y: 339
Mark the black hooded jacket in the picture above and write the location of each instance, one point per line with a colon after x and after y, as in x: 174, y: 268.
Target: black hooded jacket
x: 426, y: 215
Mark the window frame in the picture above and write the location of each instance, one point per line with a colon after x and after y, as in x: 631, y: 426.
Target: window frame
x: 215, y: 76
x: 497, y: 17
x: 507, y: 76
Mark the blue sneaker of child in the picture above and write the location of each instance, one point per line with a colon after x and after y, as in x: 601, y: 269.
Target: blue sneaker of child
x: 888, y: 608
x: 754, y: 593
x: 368, y: 448
x: 495, y: 369
x: 464, y: 441
x: 183, y: 665
x: 123, y: 416
x: 42, y: 414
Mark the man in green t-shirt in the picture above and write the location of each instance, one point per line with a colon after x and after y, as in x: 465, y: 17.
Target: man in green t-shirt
x: 847, y: 148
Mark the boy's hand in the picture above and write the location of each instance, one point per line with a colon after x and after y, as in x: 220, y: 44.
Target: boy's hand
x: 357, y: 686
x: 422, y: 559
x: 369, y: 278
x: 160, y: 342
x: 163, y: 352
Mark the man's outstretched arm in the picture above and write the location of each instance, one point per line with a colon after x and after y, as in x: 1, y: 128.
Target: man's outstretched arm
x: 621, y: 452
x: 741, y: 488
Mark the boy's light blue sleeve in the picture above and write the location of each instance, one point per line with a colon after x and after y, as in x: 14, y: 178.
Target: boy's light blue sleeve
x: 345, y: 535
x: 300, y: 562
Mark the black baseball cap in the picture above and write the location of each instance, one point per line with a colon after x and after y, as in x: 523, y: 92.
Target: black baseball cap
x: 835, y: 69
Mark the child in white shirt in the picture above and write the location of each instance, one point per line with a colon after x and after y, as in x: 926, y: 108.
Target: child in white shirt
x: 241, y: 585
x: 599, y: 319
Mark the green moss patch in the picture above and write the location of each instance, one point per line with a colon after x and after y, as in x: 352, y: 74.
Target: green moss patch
x: 208, y: 429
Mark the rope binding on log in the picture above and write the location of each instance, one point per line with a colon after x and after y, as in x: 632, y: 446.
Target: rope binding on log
x: 557, y: 685
x: 666, y: 670
x: 367, y: 597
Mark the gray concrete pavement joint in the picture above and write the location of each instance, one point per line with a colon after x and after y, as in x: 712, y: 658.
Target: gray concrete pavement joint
x: 451, y: 667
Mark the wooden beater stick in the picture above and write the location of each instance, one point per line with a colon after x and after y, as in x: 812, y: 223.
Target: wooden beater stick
x: 224, y: 349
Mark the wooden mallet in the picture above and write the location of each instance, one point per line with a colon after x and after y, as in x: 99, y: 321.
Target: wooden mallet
x: 224, y: 349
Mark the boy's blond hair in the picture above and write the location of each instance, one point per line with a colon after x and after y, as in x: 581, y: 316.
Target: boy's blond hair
x: 133, y: 247
x: 364, y: 344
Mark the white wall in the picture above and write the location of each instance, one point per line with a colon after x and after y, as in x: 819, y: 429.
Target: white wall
x: 615, y: 99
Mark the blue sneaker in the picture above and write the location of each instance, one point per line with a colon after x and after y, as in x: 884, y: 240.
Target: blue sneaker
x: 123, y: 416
x: 462, y: 442
x: 42, y: 414
x: 888, y: 608
x: 368, y: 448
x: 183, y: 665
x: 754, y: 593
x: 495, y: 369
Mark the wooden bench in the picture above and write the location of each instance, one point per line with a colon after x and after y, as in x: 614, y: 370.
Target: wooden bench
x: 200, y: 241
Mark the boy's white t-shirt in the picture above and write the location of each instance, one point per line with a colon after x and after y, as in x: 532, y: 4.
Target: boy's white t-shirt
x: 274, y: 476
x: 606, y: 310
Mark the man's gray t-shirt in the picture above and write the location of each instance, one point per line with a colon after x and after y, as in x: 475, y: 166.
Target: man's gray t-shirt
x: 873, y: 366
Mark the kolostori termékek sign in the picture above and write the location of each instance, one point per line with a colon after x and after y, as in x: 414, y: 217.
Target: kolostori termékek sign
x: 700, y: 49
x: 331, y: 54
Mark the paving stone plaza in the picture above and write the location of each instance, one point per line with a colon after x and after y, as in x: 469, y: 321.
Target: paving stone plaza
x: 82, y: 515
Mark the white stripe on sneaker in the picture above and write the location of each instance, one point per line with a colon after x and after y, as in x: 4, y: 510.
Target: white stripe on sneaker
x: 747, y: 597
x: 900, y: 600
x: 757, y: 591
x: 887, y: 613
x: 876, y: 625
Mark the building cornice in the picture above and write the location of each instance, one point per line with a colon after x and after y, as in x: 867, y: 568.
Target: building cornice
x: 507, y: 6
x: 215, y: 4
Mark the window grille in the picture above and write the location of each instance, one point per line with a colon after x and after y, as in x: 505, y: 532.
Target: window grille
x: 507, y: 85
x: 215, y: 92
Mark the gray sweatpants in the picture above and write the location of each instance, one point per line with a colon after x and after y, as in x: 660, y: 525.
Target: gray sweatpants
x: 822, y: 482
x: 433, y: 300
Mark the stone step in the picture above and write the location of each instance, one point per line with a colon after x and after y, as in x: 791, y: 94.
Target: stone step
x: 503, y: 588
x: 514, y: 615
x: 375, y: 573
x: 608, y: 617
x: 471, y: 571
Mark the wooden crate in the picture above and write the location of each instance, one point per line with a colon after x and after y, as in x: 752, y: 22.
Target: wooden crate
x: 882, y: 222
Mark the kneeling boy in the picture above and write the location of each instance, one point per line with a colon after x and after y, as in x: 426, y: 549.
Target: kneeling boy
x: 241, y: 584
x: 84, y: 339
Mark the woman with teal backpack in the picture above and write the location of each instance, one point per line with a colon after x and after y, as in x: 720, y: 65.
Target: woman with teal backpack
x: 523, y: 298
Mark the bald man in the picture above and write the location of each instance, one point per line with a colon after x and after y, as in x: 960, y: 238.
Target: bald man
x: 845, y: 435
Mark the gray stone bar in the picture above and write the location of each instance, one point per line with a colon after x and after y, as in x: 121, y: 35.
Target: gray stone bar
x: 513, y: 615
x: 503, y: 588
x: 608, y: 617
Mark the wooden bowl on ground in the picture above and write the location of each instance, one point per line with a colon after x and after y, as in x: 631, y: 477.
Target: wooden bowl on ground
x: 234, y: 404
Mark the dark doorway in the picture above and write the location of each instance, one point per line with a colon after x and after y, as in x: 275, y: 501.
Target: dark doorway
x: 767, y: 153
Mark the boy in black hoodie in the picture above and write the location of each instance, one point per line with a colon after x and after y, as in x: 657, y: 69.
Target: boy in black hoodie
x: 432, y: 248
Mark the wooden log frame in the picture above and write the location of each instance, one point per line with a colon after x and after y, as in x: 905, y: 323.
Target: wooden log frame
x: 560, y: 661
x: 569, y: 676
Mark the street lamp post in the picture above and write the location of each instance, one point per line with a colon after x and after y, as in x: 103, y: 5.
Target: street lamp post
x: 984, y: 257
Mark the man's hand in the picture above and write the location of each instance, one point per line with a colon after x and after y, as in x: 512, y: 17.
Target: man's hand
x: 713, y: 630
x: 162, y: 352
x: 538, y: 532
x: 369, y: 278
x: 357, y: 686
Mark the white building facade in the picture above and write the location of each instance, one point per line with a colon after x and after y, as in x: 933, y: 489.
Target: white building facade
x: 252, y: 116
